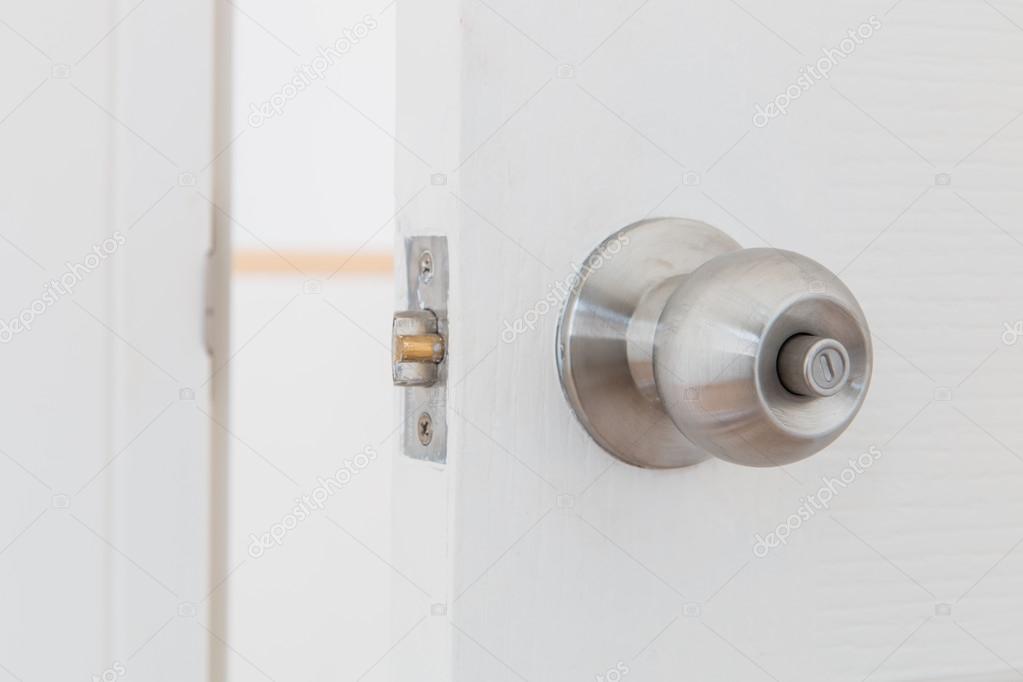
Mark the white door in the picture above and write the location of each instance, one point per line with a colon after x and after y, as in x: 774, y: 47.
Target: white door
x: 881, y: 139
x: 108, y: 142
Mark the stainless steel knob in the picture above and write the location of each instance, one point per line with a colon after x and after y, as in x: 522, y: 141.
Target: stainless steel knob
x: 676, y: 345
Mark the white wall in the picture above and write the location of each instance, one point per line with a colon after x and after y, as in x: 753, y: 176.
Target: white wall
x: 311, y: 378
x: 311, y: 390
x: 318, y: 175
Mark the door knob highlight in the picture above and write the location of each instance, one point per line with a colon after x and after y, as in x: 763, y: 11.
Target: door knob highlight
x: 676, y: 345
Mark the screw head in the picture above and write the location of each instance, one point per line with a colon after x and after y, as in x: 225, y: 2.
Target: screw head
x: 424, y: 429
x: 426, y: 267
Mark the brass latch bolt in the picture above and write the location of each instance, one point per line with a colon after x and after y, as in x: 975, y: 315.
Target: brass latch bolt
x: 418, y: 348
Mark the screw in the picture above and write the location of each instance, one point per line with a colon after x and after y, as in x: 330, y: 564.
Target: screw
x: 425, y: 429
x: 426, y: 267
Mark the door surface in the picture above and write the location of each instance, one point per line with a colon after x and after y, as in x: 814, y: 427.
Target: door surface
x: 108, y: 569
x: 882, y: 139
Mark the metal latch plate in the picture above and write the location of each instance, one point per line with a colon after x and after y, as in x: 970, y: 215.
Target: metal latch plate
x: 424, y: 431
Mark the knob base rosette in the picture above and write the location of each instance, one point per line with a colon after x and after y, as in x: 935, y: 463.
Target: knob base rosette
x: 606, y: 333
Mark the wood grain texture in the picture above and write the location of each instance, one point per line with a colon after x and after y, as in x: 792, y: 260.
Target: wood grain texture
x: 557, y: 124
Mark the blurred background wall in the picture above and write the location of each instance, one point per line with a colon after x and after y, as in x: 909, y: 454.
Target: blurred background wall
x: 107, y: 133
x: 312, y: 302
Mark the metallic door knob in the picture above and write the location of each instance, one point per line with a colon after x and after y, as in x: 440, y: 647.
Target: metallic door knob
x: 676, y: 344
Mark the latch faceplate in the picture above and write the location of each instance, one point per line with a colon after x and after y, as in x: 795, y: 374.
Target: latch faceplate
x: 419, y: 342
